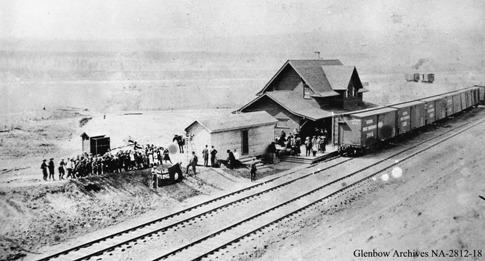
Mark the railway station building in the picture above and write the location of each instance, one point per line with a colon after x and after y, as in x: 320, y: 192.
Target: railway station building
x: 248, y: 133
x: 306, y: 94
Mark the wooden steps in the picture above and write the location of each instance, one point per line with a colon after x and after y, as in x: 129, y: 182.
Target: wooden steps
x: 247, y: 161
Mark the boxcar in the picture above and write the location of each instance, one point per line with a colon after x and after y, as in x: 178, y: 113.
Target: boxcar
x: 448, y: 98
x: 456, y: 102
x: 364, y: 129
x: 440, y: 107
x: 481, y: 94
x: 468, y: 95
x: 463, y: 100
x: 476, y: 93
x: 403, y: 118
x: 410, y: 115
x: 433, y: 107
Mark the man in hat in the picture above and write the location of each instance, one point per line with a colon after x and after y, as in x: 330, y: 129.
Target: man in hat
x: 192, y: 163
x: 231, y: 160
x: 213, y: 153
x: 61, y: 169
x: 69, y: 168
x: 51, y: 169
x: 44, y: 169
x: 253, y: 171
x: 205, y: 155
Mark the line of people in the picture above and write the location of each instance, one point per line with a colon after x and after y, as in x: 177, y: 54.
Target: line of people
x: 111, y: 162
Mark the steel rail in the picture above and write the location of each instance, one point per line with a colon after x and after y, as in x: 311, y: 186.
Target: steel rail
x: 175, y: 251
x: 132, y: 229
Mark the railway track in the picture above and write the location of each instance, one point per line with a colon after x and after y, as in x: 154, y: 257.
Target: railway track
x: 107, y: 243
x: 228, y: 235
x: 259, y: 219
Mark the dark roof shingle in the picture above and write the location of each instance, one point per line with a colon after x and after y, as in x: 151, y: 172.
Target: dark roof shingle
x: 236, y: 121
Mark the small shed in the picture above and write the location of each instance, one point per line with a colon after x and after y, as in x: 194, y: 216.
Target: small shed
x: 95, y: 144
x: 250, y: 133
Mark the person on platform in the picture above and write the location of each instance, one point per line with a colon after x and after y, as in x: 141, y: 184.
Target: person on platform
x: 282, y: 138
x: 308, y: 146
x: 297, y: 145
x: 323, y: 143
x: 43, y: 167
x: 314, y: 146
x: 205, y: 155
x: 213, y: 153
x: 192, y: 163
x: 51, y: 169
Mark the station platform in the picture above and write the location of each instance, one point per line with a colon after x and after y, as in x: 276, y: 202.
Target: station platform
x: 302, y: 158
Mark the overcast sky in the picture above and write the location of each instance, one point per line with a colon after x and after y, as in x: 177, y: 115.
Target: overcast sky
x: 129, y: 19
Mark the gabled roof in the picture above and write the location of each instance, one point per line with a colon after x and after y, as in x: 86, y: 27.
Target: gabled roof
x: 338, y: 76
x: 292, y: 102
x: 92, y: 135
x: 235, y: 121
x: 311, y: 72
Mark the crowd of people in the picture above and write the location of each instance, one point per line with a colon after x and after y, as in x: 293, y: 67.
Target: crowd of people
x: 292, y: 142
x: 148, y: 156
x: 139, y: 157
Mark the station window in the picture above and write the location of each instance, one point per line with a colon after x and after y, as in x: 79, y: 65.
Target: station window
x: 307, y: 92
x: 282, y: 123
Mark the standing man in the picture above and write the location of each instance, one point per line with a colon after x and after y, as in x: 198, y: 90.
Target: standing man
x: 213, y: 153
x: 61, y: 169
x: 192, y: 163
x: 51, y: 168
x: 205, y: 155
x: 155, y: 173
x: 44, y: 169
x: 253, y: 172
x: 70, y: 167
x: 308, y: 146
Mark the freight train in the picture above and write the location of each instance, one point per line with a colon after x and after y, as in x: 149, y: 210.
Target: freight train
x: 367, y: 129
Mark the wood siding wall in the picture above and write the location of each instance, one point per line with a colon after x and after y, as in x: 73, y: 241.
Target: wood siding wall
x: 275, y: 110
x: 201, y: 137
x: 259, y: 139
